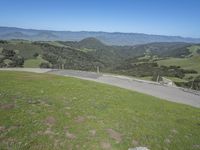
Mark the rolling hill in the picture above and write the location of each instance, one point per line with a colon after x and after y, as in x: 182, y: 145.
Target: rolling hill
x: 116, y: 38
x: 178, y: 61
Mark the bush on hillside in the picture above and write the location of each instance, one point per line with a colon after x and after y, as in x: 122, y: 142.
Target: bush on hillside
x: 198, y: 51
x: 45, y: 65
x: 14, y: 60
x: 8, y: 53
x: 35, y: 55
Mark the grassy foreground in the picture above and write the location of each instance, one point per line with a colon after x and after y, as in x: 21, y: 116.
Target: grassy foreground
x: 42, y: 111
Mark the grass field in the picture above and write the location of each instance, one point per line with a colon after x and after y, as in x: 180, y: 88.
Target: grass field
x: 42, y: 111
x: 34, y: 63
x: 174, y: 79
x: 192, y: 62
x: 25, y: 48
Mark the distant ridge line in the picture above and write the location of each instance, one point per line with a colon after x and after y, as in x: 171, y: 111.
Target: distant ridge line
x: 109, y: 38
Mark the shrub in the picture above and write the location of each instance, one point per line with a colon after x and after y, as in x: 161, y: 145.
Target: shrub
x: 35, y: 55
x: 44, y: 65
x: 8, y: 53
x: 17, y: 61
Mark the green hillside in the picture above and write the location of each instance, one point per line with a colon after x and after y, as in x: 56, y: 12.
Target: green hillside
x: 174, y: 60
x: 34, y: 63
x: 26, y: 49
x: 42, y: 111
x: 190, y: 62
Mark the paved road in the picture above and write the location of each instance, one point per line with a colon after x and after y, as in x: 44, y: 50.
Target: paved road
x: 173, y: 94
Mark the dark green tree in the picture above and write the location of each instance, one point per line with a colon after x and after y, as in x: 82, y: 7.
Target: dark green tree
x: 44, y: 65
x: 8, y: 53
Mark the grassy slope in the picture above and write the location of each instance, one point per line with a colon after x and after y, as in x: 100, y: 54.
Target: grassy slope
x: 174, y: 79
x: 55, y: 43
x: 26, y: 49
x: 41, y: 111
x: 34, y: 63
x: 192, y: 62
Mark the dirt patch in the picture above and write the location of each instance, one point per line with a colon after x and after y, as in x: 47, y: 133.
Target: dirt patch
x: 50, y: 121
x: 14, y: 127
x: 70, y: 136
x: 79, y: 119
x: 66, y: 128
x: 69, y: 147
x: 105, y: 145
x: 7, y: 106
x: 48, y: 132
x: 2, y: 128
x: 92, y: 132
x: 114, y: 135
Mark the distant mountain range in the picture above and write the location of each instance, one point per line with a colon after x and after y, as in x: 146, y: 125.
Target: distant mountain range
x: 115, y: 38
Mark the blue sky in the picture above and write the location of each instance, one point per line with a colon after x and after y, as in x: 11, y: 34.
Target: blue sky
x: 166, y: 17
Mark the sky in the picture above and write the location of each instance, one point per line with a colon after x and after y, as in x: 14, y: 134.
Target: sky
x: 161, y: 17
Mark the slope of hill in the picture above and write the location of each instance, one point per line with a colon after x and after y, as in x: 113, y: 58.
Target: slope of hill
x: 108, y: 38
x: 53, y: 112
x: 190, y: 62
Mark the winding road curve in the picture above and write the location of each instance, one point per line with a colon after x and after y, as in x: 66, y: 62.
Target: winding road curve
x: 174, y: 94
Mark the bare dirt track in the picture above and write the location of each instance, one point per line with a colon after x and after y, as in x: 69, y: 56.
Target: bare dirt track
x: 174, y: 94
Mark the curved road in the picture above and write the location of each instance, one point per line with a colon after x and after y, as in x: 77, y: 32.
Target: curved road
x: 173, y: 94
x: 169, y: 93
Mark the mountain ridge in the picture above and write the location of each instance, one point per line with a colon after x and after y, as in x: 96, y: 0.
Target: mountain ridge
x: 109, y: 38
